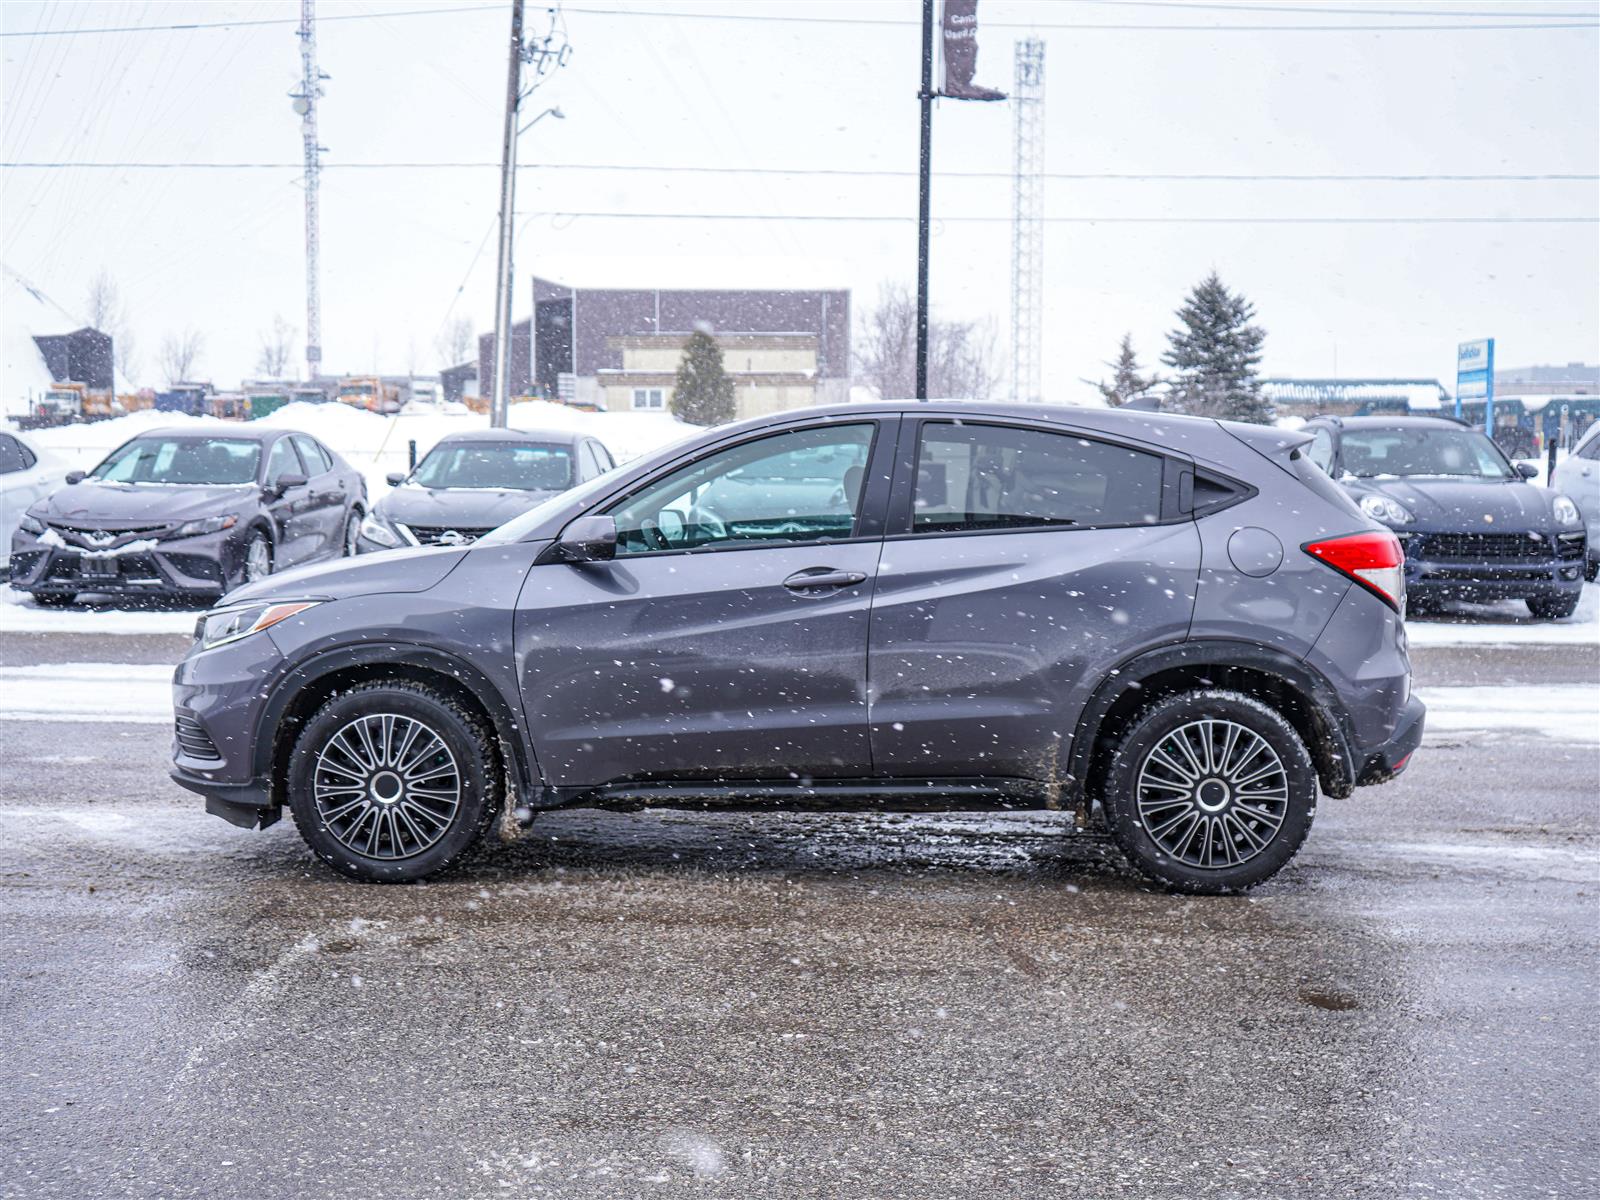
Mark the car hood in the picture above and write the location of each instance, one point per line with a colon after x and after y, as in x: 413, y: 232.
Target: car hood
x: 412, y: 570
x: 1509, y: 504
x: 468, y: 508
x: 92, y: 503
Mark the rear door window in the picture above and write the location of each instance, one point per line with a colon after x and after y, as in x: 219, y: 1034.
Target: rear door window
x: 994, y: 477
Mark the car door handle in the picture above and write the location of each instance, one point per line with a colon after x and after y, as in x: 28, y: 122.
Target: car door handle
x: 822, y: 577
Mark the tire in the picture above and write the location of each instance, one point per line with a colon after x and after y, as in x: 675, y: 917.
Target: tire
x: 352, y: 532
x: 1553, y: 608
x: 1591, y: 569
x: 371, y: 822
x: 257, y: 544
x: 1144, y: 797
x: 54, y: 599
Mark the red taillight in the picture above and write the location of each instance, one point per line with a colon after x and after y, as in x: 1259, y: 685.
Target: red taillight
x: 1373, y: 559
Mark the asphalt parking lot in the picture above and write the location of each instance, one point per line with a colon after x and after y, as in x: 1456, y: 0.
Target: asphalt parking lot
x: 803, y: 1005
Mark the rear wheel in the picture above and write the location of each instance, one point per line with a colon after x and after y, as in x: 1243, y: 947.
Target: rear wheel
x: 393, y: 781
x: 1553, y: 608
x: 1210, y: 792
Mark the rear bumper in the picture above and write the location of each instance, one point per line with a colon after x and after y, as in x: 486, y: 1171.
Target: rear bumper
x: 1383, y: 763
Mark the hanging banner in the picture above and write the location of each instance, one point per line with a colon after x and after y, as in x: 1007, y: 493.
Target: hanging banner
x: 960, y: 53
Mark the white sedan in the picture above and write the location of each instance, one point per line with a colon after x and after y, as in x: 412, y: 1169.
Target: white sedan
x: 27, y: 474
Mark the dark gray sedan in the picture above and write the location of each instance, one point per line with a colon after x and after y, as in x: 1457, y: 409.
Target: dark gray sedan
x: 470, y: 483
x: 181, y: 512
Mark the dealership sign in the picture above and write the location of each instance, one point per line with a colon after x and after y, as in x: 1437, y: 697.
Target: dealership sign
x: 1475, y: 373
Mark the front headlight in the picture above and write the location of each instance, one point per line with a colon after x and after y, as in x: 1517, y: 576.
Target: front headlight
x: 31, y: 524
x: 204, y: 525
x: 1381, y: 508
x: 1566, y: 512
x: 230, y: 624
x: 376, y: 529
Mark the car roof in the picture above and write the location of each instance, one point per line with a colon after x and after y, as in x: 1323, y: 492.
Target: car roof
x: 249, y: 433
x: 1396, y: 422
x: 560, y: 437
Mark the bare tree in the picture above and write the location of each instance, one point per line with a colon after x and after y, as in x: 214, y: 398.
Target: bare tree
x: 961, y: 354
x: 456, y: 342
x: 102, y: 306
x: 277, y: 348
x: 103, y: 309
x: 179, y: 353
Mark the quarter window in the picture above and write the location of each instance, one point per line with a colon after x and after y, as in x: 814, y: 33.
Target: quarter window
x: 799, y: 486
x: 990, y: 477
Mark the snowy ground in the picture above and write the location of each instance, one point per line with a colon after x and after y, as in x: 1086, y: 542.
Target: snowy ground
x: 373, y: 444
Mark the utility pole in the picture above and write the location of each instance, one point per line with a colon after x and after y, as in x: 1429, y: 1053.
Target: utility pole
x: 1027, y: 225
x: 305, y: 103
x: 501, y: 397
x: 925, y: 183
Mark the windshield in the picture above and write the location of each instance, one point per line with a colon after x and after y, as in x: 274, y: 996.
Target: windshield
x: 527, y: 467
x: 181, y: 461
x: 1371, y: 453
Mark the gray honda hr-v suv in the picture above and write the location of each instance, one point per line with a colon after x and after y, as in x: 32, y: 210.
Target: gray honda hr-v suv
x: 1174, y: 627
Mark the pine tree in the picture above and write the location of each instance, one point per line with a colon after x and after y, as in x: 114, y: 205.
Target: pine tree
x: 703, y: 394
x: 1126, y: 382
x: 1215, y: 355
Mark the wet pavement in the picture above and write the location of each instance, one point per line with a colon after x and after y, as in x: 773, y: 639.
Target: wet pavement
x: 669, y: 1004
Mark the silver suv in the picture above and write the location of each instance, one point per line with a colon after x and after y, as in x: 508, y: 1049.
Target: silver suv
x: 1174, y: 628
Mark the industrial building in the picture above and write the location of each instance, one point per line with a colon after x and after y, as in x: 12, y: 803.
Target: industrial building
x: 618, y: 348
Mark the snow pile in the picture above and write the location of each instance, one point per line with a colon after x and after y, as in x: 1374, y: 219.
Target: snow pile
x: 373, y: 444
x: 1507, y: 623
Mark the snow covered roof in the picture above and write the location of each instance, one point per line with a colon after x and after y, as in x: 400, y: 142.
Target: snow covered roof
x: 1418, y: 395
x: 24, y: 313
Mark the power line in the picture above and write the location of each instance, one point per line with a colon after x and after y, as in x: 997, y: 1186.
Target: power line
x: 842, y: 172
x: 1474, y: 14
x: 974, y: 218
x: 1519, y: 21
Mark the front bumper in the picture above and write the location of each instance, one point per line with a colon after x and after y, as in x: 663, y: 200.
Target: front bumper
x: 1556, y: 570
x: 217, y: 698
x: 193, y: 566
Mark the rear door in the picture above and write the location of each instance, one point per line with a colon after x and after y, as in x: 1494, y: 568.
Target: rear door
x: 1023, y: 563
x: 728, y: 638
x: 326, y: 500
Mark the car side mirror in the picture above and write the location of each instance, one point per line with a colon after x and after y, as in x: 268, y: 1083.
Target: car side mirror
x: 76, y: 476
x: 395, y: 478
x: 588, y: 539
x: 1527, y: 470
x: 285, y: 483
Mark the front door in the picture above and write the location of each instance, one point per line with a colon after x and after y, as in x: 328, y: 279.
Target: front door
x: 292, y: 510
x: 1022, y: 565
x: 728, y: 638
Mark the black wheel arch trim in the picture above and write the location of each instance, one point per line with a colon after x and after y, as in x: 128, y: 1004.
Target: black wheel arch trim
x: 1335, y: 762
x: 507, y: 720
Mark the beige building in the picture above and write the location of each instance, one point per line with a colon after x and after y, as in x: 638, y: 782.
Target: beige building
x: 771, y: 372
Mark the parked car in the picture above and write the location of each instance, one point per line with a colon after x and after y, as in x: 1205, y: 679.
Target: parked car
x: 190, y: 513
x: 469, y: 483
x: 27, y: 475
x: 1177, y: 626
x: 1473, y: 525
x: 1578, y: 476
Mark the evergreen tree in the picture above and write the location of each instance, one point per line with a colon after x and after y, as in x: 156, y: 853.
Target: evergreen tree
x: 1126, y: 381
x: 1215, y: 355
x: 703, y: 394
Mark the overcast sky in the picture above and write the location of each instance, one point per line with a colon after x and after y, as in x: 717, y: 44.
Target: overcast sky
x: 652, y: 85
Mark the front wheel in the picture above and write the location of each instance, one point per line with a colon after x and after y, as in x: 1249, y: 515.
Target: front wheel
x: 1210, y: 792
x: 352, y: 533
x: 393, y: 781
x: 1553, y: 608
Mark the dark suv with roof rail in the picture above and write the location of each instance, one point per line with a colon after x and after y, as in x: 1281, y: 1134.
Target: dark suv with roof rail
x: 1174, y: 626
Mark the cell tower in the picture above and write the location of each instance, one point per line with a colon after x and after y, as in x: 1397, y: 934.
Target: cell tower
x: 305, y: 103
x: 1027, y: 225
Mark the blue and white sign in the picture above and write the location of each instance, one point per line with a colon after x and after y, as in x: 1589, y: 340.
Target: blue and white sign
x: 1475, y: 373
